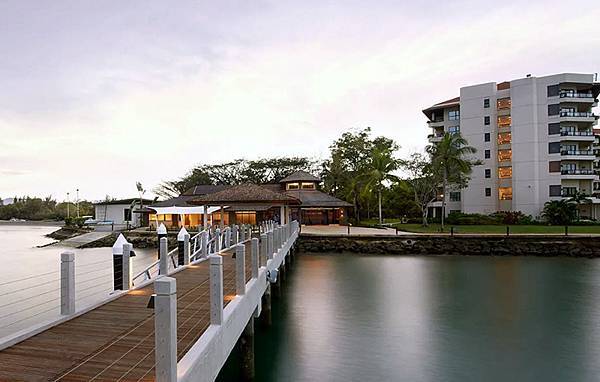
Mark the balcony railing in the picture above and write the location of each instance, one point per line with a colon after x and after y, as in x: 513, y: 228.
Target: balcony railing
x: 577, y: 133
x: 577, y: 152
x: 577, y: 171
x: 576, y: 95
x: 569, y: 192
x: 583, y: 114
x: 436, y: 120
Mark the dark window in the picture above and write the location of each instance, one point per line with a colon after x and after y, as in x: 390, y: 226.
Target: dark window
x: 555, y: 190
x: 487, y: 154
x: 553, y: 128
x: 127, y: 214
x: 488, y: 191
x: 455, y: 196
x: 486, y: 120
x: 486, y: 102
x: 552, y: 90
x: 554, y: 166
x: 553, y: 109
x: 553, y: 147
x: 486, y: 137
x: 488, y: 173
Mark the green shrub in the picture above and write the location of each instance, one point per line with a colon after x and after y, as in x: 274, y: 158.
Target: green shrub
x: 460, y: 218
x: 512, y: 217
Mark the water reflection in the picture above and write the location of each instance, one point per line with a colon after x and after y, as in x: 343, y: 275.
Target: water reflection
x: 392, y: 318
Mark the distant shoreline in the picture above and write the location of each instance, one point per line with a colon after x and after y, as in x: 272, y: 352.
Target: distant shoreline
x: 53, y: 223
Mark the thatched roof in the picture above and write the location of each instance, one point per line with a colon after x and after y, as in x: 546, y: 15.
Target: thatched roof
x: 300, y: 176
x: 245, y: 193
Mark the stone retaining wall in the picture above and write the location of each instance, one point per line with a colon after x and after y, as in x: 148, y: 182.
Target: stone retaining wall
x: 469, y: 245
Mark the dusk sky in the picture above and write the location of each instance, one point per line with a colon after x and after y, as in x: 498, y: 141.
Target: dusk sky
x: 100, y: 94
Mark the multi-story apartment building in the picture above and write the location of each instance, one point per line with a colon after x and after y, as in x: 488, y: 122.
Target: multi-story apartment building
x: 534, y: 136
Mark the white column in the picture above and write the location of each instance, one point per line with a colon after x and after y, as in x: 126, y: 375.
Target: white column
x: 263, y: 249
x: 127, y: 268
x: 217, y: 240
x: 282, y: 215
x: 254, y: 257
x: 216, y: 289
x: 205, y: 217
x: 240, y: 269
x: 165, y: 329
x: 163, y: 265
x: 67, y: 283
x: 186, y: 249
x: 204, y: 243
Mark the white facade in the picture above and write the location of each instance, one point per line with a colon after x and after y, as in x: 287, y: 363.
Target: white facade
x: 534, y: 136
x: 120, y: 214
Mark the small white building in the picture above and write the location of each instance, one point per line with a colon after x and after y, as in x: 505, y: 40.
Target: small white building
x: 118, y: 214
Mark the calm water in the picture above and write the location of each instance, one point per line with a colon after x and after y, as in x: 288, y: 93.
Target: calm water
x: 397, y: 318
x: 30, y: 284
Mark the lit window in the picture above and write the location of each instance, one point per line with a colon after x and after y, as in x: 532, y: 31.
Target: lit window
x: 504, y: 138
x: 308, y: 186
x: 504, y: 172
x: 503, y: 103
x: 504, y: 155
x: 504, y: 121
x: 293, y: 186
x: 505, y: 193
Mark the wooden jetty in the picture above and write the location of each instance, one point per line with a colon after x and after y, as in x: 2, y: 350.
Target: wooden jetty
x: 216, y: 298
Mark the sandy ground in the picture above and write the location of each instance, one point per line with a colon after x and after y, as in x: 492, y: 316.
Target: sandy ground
x: 343, y: 230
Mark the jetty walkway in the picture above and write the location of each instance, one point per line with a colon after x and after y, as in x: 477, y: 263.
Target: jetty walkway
x: 178, y: 325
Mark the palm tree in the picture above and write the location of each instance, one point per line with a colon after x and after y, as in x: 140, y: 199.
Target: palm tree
x: 450, y: 161
x: 579, y: 198
x: 559, y: 212
x: 380, y: 170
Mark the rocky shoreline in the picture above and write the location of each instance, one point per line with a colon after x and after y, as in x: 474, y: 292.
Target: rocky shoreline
x: 467, y: 245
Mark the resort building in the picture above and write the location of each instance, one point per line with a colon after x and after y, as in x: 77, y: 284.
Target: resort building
x: 535, y: 137
x: 295, y: 197
x: 118, y: 214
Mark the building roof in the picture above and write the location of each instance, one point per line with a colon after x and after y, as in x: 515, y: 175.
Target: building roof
x: 300, y: 176
x: 203, y: 189
x: 179, y: 201
x: 441, y: 105
x: 248, y: 193
x: 316, y: 198
x: 127, y: 201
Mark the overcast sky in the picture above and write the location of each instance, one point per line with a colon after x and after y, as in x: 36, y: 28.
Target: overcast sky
x: 99, y: 94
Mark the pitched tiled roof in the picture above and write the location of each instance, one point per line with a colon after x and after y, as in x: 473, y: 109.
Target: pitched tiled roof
x: 316, y: 198
x: 203, y: 189
x: 245, y: 193
x: 300, y: 176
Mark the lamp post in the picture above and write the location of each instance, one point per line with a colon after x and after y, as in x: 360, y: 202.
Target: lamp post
x: 68, y: 209
x: 78, y: 203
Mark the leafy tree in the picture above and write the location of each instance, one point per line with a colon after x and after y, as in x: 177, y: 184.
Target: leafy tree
x: 559, y: 212
x: 423, y: 182
x: 450, y: 161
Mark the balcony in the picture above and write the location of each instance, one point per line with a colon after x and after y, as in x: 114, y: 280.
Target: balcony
x: 570, y: 192
x: 577, y: 152
x: 577, y: 171
x: 587, y: 133
x: 577, y: 114
x: 572, y: 94
x: 434, y: 138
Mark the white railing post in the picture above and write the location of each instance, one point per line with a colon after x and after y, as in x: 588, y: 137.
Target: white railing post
x: 165, y: 329
x: 270, y: 244
x: 127, y: 268
x: 234, y: 234
x: 67, y: 283
x: 240, y: 269
x: 227, y: 242
x: 242, y: 233
x: 204, y: 243
x: 217, y: 240
x: 186, y: 249
x: 216, y: 289
x: 163, y: 261
x: 254, y: 257
x: 263, y: 249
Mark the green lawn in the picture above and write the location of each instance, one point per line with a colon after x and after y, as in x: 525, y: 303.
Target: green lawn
x: 499, y: 229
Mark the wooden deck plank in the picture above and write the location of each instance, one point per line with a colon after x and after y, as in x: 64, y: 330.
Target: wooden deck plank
x: 116, y: 340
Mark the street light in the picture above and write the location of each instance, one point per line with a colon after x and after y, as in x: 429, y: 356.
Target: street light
x: 68, y: 202
x: 78, y: 203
